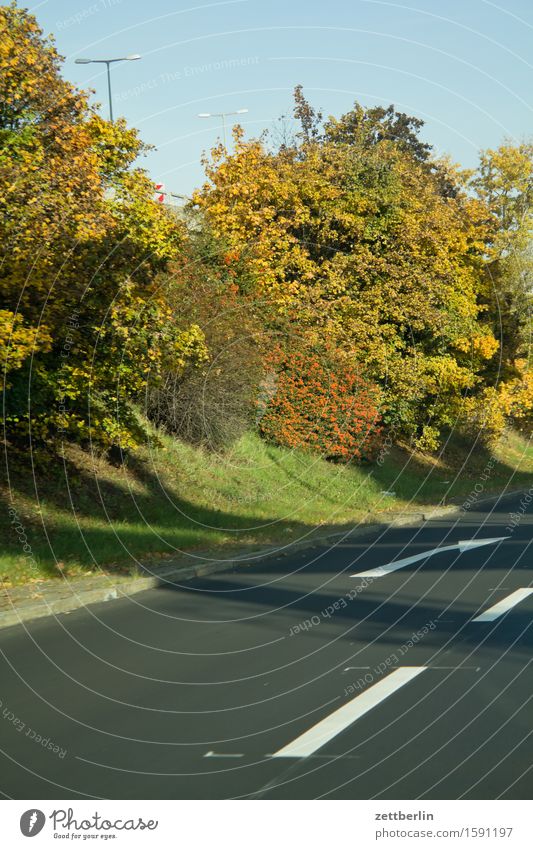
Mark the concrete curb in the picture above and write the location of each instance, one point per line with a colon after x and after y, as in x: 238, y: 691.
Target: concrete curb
x: 23, y: 604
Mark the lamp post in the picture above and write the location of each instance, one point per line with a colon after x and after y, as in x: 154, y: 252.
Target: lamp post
x: 222, y: 115
x: 108, y: 62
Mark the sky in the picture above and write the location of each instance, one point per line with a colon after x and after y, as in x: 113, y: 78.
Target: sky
x: 462, y: 66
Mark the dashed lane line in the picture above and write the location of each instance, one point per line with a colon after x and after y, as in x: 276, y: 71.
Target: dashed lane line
x: 325, y: 730
x: 504, y: 605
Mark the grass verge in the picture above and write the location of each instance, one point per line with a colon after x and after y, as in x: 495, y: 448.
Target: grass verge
x: 80, y: 515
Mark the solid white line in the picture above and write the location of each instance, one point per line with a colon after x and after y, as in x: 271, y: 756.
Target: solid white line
x: 504, y: 605
x: 324, y: 731
x: 462, y: 546
x: 223, y: 755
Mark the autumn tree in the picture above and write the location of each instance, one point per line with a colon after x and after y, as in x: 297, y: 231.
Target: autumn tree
x: 83, y: 320
x: 505, y: 185
x: 358, y: 244
x: 366, y: 128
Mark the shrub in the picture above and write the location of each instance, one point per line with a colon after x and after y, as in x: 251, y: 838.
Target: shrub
x: 483, y: 416
x: 321, y: 404
x: 210, y: 403
x: 487, y: 415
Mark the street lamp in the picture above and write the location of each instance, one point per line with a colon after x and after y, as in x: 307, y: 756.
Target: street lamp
x: 222, y: 115
x: 108, y: 62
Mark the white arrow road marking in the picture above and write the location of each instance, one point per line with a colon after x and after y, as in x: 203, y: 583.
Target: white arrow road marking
x: 467, y: 544
x: 324, y: 731
x: 504, y: 605
x: 462, y: 545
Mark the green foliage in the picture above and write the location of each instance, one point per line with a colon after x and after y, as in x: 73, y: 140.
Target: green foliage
x: 366, y: 128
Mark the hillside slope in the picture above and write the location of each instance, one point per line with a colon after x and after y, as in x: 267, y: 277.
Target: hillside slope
x: 80, y: 514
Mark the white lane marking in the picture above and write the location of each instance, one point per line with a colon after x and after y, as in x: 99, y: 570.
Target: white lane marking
x: 455, y: 668
x: 504, y: 605
x: 328, y: 757
x: 324, y: 731
x: 223, y: 755
x: 467, y: 544
x: 462, y: 545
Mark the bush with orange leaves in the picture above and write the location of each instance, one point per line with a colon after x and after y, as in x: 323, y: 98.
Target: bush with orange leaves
x: 321, y: 404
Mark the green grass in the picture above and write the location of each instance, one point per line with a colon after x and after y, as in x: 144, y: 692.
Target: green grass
x: 82, y: 515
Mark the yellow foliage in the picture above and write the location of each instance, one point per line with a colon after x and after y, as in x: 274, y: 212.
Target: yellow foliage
x: 18, y: 341
x: 84, y: 240
x: 517, y: 395
x: 361, y: 245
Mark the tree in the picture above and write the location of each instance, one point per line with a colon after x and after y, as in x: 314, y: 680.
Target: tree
x: 310, y: 118
x: 365, y: 128
x: 505, y: 185
x: 358, y: 244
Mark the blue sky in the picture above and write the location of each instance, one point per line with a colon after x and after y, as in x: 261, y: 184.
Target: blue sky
x: 462, y: 66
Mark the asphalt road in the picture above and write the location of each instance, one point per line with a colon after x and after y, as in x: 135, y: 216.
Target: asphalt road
x: 292, y: 679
